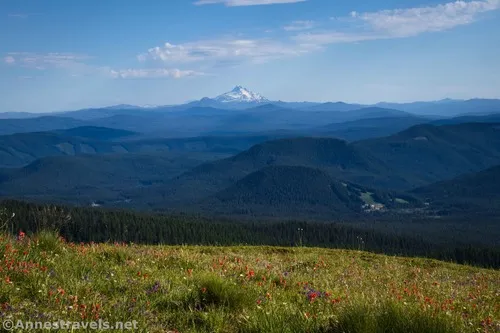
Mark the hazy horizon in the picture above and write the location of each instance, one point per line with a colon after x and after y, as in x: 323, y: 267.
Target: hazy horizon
x: 61, y: 56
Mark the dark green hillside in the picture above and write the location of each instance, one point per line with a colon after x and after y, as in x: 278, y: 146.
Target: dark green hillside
x: 337, y: 158
x: 85, y: 178
x: 418, y: 156
x: 18, y: 150
x: 425, y: 153
x: 293, y: 191
x: 415, y: 157
x: 23, y: 148
x: 475, y: 192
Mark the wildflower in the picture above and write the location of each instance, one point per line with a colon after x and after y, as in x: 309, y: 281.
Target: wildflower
x: 21, y: 236
x: 336, y: 300
x: 203, y: 290
x: 154, y: 289
x: 312, y: 296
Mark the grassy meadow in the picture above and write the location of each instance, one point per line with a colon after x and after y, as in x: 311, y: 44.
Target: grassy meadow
x: 242, y: 289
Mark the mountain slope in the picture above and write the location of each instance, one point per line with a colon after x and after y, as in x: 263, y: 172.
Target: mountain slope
x: 293, y: 191
x: 448, y: 107
x: 490, y: 118
x: 17, y: 150
x: 415, y: 157
x: 334, y: 106
x: 240, y: 95
x: 368, y: 128
x: 44, y: 123
x: 23, y: 148
x: 477, y: 192
x: 97, y: 133
x: 336, y: 157
x: 425, y: 153
x: 83, y: 179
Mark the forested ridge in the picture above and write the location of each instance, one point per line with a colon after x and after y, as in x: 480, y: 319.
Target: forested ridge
x: 79, y: 224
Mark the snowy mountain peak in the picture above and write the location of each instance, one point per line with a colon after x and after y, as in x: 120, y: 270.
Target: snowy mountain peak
x: 240, y: 94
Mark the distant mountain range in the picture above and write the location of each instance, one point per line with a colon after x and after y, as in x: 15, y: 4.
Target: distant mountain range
x: 20, y: 149
x: 240, y: 98
x: 275, y: 175
x: 242, y: 154
x: 418, y: 156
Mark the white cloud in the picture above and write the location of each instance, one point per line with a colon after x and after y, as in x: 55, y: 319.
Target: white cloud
x: 47, y: 60
x: 75, y: 65
x: 399, y: 23
x: 237, y: 3
x: 299, y: 25
x: 222, y: 51
x: 9, y: 60
x: 414, y: 21
x: 356, y: 27
x: 152, y: 73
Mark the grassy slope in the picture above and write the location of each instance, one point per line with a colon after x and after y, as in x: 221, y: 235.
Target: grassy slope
x: 243, y: 289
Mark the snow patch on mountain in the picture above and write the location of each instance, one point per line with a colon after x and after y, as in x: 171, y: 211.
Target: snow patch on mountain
x: 240, y: 94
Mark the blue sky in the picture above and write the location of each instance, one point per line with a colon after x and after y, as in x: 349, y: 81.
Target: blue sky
x: 64, y: 55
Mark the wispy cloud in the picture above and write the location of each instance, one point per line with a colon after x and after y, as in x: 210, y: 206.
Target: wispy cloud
x: 47, y: 60
x: 299, y: 25
x: 414, y: 21
x: 21, y: 15
x: 400, y: 23
x: 76, y: 65
x: 237, y: 3
x: 202, y: 56
x: 221, y: 51
x: 9, y: 60
x: 152, y: 73
x: 355, y: 27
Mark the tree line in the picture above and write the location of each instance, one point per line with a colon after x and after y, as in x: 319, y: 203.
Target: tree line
x: 86, y: 224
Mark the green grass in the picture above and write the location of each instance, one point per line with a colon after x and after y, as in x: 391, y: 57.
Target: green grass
x: 243, y: 289
x: 367, y: 197
x: 401, y: 201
